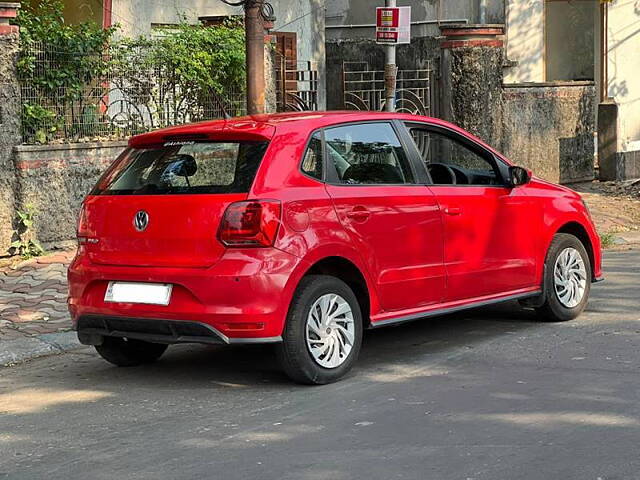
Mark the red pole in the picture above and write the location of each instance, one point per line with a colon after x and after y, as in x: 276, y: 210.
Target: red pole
x: 254, y: 30
x: 107, y: 21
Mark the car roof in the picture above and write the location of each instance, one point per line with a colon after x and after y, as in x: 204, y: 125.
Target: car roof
x: 263, y: 127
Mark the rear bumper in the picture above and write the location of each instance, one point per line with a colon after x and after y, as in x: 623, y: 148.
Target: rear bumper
x: 93, y: 328
x: 243, y: 298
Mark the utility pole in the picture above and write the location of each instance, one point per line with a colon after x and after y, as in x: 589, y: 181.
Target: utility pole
x: 254, y: 32
x: 390, y: 71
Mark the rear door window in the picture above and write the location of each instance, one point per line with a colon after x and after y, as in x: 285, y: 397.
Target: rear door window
x: 368, y: 154
x: 184, y: 168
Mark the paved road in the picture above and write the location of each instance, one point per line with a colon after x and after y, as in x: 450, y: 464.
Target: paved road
x: 493, y: 395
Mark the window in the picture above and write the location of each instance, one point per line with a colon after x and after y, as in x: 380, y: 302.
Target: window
x: 184, y: 167
x: 312, y: 160
x: 449, y: 162
x: 368, y: 154
x: 569, y: 40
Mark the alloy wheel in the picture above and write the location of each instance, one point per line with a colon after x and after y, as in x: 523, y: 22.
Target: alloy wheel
x: 330, y: 330
x: 570, y: 277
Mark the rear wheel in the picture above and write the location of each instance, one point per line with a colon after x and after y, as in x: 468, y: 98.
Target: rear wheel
x: 125, y: 352
x: 323, y: 333
x: 567, y: 280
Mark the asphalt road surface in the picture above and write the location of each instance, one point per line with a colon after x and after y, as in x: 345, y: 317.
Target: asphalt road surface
x: 486, y: 395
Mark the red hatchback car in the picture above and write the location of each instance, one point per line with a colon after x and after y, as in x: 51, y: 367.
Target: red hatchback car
x: 304, y: 229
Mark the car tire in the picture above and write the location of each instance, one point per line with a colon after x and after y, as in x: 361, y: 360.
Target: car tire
x: 567, y: 280
x: 323, y: 331
x: 125, y: 352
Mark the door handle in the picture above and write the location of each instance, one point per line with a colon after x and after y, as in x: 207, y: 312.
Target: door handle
x: 453, y: 210
x: 359, y: 214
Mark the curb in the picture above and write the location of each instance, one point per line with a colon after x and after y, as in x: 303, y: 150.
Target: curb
x: 24, y: 349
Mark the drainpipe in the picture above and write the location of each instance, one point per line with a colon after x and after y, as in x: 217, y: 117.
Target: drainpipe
x: 482, y: 9
x: 390, y: 71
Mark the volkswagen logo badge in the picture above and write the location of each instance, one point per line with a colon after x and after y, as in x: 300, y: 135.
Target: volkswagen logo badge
x: 141, y: 221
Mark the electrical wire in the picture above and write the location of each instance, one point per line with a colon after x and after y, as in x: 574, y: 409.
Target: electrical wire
x: 297, y: 18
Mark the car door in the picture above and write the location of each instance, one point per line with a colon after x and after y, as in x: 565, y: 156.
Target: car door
x: 391, y: 218
x: 488, y: 249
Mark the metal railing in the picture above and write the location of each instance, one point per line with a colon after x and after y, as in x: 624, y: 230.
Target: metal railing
x: 297, y: 87
x: 363, y: 89
x: 115, y: 96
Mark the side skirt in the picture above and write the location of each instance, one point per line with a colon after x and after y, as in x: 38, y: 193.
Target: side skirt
x: 458, y: 308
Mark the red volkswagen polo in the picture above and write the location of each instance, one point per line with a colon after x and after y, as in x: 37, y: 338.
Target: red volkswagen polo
x: 304, y: 229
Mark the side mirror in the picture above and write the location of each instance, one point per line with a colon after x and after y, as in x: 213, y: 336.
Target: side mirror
x: 519, y: 176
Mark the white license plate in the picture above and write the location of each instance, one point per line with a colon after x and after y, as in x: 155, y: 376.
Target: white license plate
x: 133, y: 292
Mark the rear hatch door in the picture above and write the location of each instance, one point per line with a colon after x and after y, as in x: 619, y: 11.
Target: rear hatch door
x: 161, y: 205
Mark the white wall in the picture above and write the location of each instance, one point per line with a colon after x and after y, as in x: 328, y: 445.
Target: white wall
x: 307, y: 19
x: 624, y: 70
x: 136, y: 16
x: 525, y: 41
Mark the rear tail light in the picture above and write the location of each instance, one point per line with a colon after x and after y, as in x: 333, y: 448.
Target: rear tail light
x: 82, y: 234
x: 253, y: 223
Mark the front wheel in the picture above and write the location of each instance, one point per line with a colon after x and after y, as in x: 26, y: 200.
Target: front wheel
x: 323, y: 333
x: 567, y: 280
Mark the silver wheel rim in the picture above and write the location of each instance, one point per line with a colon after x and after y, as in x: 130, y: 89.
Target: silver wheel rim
x: 570, y: 277
x: 330, y: 330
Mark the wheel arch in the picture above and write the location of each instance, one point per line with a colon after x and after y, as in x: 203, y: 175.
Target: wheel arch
x: 580, y: 232
x: 347, y: 271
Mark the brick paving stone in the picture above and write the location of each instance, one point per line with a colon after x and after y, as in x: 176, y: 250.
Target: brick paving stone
x: 31, y: 280
x: 27, y: 316
x: 4, y: 307
x: 10, y: 334
x: 33, y: 297
x: 49, y: 259
x: 61, y: 268
x: 13, y: 273
x: 48, y: 303
x: 22, y: 288
x: 49, y: 292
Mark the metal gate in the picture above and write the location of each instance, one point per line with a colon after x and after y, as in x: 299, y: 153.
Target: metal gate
x: 297, y: 87
x: 363, y: 89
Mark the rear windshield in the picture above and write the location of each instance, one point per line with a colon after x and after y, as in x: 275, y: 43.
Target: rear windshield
x: 184, y: 168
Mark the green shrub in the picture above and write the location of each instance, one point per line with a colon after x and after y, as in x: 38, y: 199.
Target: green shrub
x: 25, y: 244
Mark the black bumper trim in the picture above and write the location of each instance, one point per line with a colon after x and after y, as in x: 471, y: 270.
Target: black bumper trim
x: 92, y: 328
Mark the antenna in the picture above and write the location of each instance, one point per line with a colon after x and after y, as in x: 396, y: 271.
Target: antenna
x: 225, y: 114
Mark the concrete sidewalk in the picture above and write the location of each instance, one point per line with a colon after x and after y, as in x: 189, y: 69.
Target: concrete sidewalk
x: 33, y: 310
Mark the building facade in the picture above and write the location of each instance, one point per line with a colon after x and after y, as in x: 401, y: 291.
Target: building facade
x: 546, y: 44
x: 300, y: 22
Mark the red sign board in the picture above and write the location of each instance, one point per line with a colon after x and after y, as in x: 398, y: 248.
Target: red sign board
x: 393, y: 25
